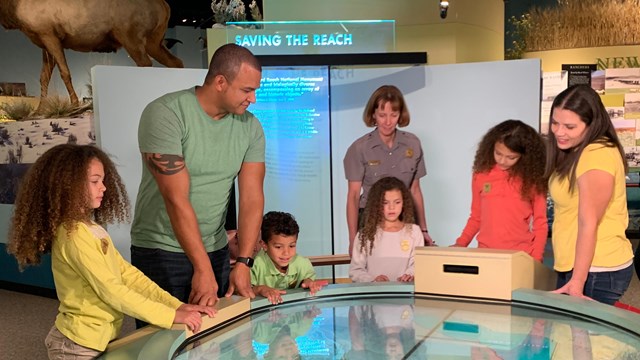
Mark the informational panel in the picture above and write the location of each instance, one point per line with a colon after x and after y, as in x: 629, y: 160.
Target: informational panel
x: 451, y: 108
x: 293, y: 107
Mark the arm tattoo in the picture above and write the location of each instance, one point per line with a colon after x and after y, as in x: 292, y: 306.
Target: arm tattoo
x: 164, y: 164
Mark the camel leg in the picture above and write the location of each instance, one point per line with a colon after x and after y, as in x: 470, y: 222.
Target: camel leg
x: 162, y: 55
x: 154, y: 44
x: 53, y: 47
x: 48, y: 63
x: 136, y: 50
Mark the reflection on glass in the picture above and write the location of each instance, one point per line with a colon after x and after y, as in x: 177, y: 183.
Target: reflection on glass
x: 279, y: 328
x: 381, y: 331
x: 408, y: 328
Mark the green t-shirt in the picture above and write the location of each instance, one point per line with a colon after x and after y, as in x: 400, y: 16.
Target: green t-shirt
x: 214, y: 151
x: 264, y: 272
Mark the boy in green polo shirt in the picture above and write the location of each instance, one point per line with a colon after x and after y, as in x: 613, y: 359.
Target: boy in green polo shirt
x: 277, y: 267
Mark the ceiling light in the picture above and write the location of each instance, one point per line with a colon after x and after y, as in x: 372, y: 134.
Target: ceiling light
x: 444, y: 6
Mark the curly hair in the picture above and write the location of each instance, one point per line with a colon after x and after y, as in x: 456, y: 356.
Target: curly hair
x: 373, y: 211
x: 376, y: 337
x: 386, y: 94
x: 586, y: 103
x: 54, y: 193
x: 524, y: 140
x: 278, y: 223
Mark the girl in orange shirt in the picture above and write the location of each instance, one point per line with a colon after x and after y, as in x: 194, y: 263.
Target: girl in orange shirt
x: 509, y: 206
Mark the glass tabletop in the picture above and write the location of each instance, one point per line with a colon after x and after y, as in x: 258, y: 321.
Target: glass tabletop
x: 412, y: 327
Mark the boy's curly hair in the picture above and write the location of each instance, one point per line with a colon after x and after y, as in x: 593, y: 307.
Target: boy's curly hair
x: 54, y: 192
x: 373, y: 211
x: 524, y: 140
x: 278, y: 223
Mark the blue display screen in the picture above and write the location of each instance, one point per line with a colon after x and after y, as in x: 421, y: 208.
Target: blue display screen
x: 292, y: 105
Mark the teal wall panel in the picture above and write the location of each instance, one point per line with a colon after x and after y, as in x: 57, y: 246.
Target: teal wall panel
x: 38, y: 276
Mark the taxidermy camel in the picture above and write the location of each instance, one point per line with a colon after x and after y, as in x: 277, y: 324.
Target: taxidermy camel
x: 90, y: 26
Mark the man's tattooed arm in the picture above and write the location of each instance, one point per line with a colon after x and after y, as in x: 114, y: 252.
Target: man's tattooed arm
x: 164, y: 164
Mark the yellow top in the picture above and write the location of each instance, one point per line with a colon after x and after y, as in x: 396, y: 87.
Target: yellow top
x: 95, y: 286
x: 612, y: 246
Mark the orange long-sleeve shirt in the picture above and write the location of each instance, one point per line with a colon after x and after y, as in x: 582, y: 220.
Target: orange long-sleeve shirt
x: 502, y: 219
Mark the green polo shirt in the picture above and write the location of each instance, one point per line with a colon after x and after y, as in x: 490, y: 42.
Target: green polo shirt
x: 213, y: 150
x: 264, y: 272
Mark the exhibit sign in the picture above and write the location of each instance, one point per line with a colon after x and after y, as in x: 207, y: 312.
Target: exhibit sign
x: 579, y: 73
x: 313, y: 37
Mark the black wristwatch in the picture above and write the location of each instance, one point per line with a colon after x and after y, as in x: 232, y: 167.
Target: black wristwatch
x: 245, y: 260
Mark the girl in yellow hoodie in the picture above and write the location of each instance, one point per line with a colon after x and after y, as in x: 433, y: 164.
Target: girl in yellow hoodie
x: 64, y: 199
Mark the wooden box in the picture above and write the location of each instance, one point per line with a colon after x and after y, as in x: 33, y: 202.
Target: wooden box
x: 479, y: 273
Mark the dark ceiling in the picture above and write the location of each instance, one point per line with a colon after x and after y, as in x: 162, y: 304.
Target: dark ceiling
x: 197, y: 13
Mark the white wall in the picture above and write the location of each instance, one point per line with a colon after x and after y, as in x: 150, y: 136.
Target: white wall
x: 451, y: 106
x: 460, y: 104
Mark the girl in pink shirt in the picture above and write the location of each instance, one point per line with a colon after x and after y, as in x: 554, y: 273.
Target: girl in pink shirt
x: 384, y: 247
x: 509, y: 189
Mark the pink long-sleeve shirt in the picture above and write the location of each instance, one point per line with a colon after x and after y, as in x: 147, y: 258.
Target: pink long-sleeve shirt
x: 502, y: 219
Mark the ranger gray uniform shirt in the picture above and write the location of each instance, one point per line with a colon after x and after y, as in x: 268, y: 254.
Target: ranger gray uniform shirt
x: 368, y: 160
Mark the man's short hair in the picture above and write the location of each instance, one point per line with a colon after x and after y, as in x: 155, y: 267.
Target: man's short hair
x: 227, y: 59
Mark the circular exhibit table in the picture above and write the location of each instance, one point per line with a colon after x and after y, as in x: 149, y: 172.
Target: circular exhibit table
x: 392, y: 321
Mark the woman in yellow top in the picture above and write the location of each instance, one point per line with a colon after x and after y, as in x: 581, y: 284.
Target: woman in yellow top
x: 66, y: 194
x: 586, y: 169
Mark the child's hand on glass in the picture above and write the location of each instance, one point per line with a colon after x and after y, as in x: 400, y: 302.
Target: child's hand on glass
x: 381, y: 278
x: 313, y: 285
x: 273, y: 295
x: 406, y: 278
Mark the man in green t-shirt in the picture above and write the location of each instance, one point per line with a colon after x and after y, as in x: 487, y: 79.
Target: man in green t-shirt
x: 194, y: 143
